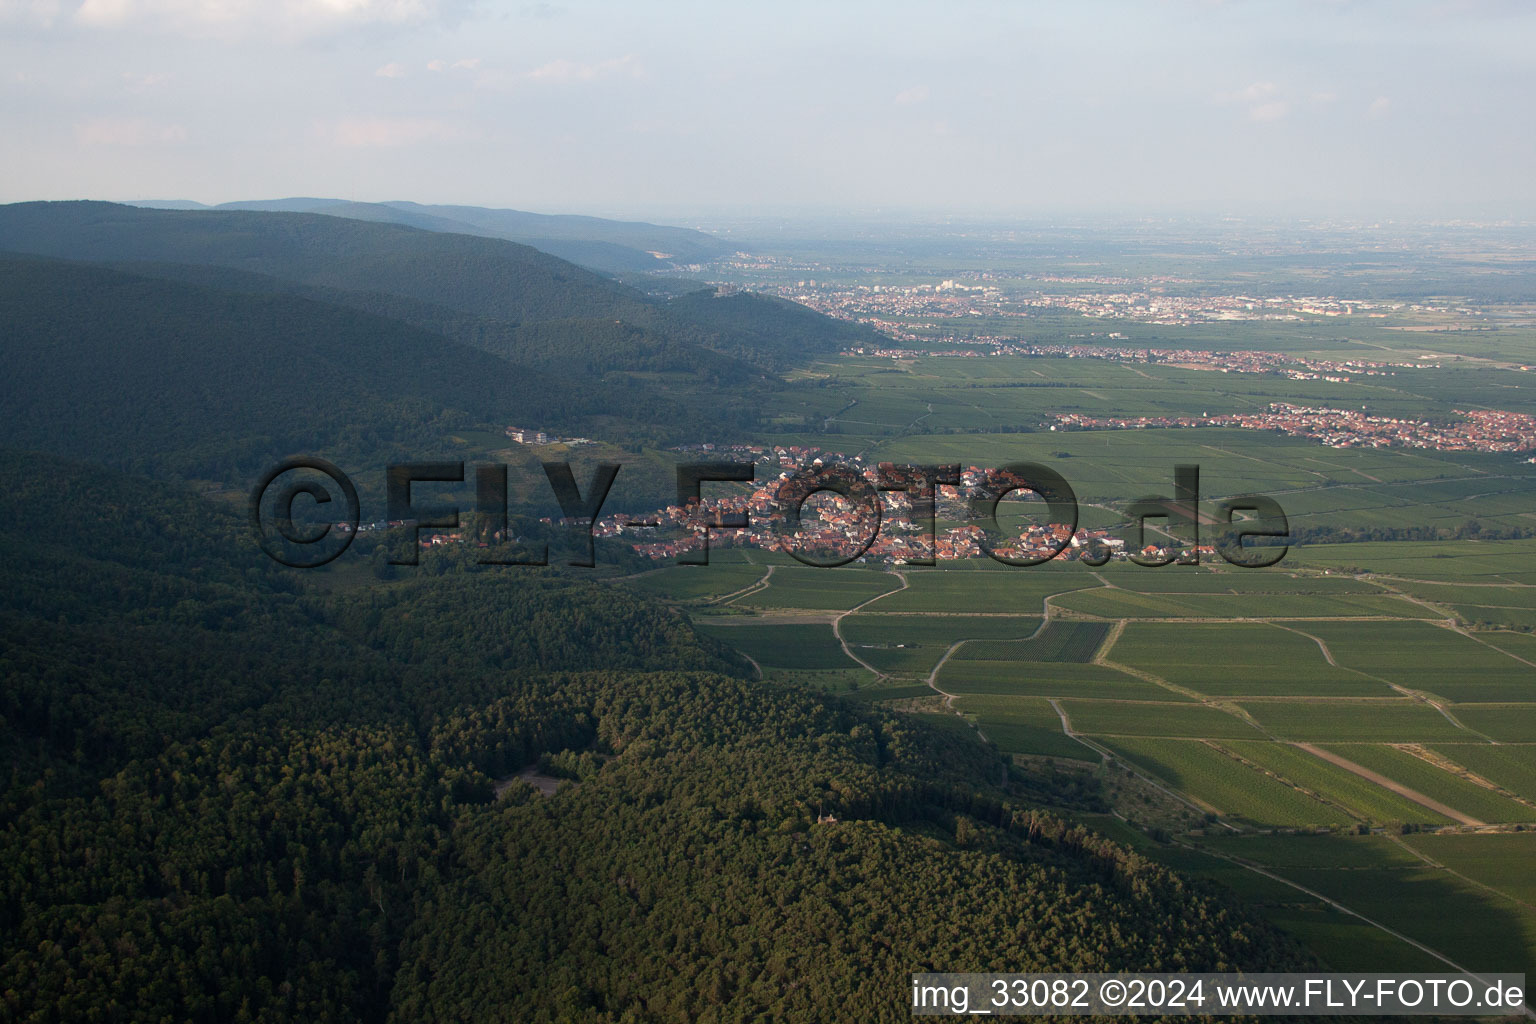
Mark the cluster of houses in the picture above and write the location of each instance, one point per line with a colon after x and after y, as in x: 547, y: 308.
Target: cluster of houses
x: 1292, y: 366
x: 1146, y: 301
x: 839, y: 525
x: 1479, y: 430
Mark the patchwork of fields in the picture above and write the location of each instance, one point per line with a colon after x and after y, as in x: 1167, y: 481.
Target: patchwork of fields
x: 1279, y: 699
x: 1384, y: 687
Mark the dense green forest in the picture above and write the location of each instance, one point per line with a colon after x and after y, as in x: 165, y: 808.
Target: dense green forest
x: 495, y: 282
x: 209, y: 344
x: 607, y: 245
x: 236, y: 797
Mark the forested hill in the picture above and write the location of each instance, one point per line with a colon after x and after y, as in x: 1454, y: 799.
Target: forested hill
x: 217, y: 379
x: 482, y: 276
x: 234, y: 799
x: 199, y: 382
x: 761, y: 326
x: 608, y: 245
x: 507, y: 298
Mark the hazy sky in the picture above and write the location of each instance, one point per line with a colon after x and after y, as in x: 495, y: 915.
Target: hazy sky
x: 653, y: 108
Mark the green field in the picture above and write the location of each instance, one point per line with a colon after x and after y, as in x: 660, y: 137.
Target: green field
x: 1481, y: 930
x: 913, y: 644
x: 1383, y: 721
x: 1360, y: 796
x: 1058, y: 641
x: 1435, y: 783
x: 1228, y: 659
x: 819, y: 589
x: 1125, y: 718
x: 1425, y: 657
x: 1506, y: 723
x: 1387, y: 882
x: 961, y: 588
x: 1226, y: 784
x: 696, y: 582
x: 1512, y: 768
x: 1126, y: 604
x: 1469, y: 594
x: 1520, y: 645
x: 1023, y: 725
x: 1501, y: 861
x: 1183, y: 580
x: 1048, y: 679
x: 1484, y: 561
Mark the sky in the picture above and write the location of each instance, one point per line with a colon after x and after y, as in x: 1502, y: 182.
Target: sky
x: 666, y: 109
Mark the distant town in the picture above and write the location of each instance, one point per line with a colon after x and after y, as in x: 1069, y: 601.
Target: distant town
x: 1481, y: 431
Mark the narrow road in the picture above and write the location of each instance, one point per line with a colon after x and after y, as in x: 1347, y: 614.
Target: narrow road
x: 750, y: 588
x: 837, y: 625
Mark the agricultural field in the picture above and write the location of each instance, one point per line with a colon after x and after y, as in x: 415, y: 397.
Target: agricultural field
x: 1470, y: 924
x: 696, y: 583
x: 1517, y: 645
x: 1508, y: 766
x: 889, y: 689
x: 1469, y: 595
x: 1056, y: 641
x: 1503, y: 723
x: 811, y: 588
x: 1447, y: 561
x: 1169, y: 720
x: 1501, y: 861
x: 1128, y: 604
x: 963, y: 588
x: 1366, y: 720
x: 1428, y: 658
x: 1365, y: 799
x: 1385, y: 880
x: 1435, y: 782
x: 1227, y: 785
x: 1022, y: 725
x: 913, y: 644
x: 1227, y: 580
x: 1048, y: 679
x: 1239, y: 659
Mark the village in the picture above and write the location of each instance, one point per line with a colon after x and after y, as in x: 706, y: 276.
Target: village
x: 1482, y: 430
x: 840, y: 526
x: 1293, y: 367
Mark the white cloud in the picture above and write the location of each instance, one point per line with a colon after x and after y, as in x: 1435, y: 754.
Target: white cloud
x: 916, y: 94
x: 1379, y: 107
x: 127, y: 132
x: 391, y: 70
x: 386, y: 132
x: 144, y: 81
x: 1269, y: 111
x: 285, y: 17
x: 573, y: 71
x: 1264, y: 101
